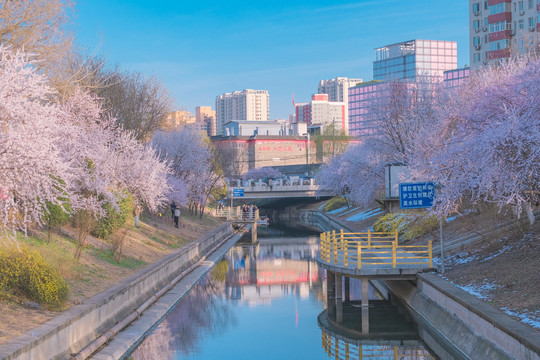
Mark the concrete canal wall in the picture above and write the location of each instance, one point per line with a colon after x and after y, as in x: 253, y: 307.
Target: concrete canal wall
x: 455, y: 324
x: 76, y: 327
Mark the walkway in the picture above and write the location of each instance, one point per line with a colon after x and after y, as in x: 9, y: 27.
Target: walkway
x: 373, y: 255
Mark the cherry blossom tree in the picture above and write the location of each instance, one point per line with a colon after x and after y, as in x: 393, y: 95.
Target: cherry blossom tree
x: 190, y: 161
x: 358, y: 173
x: 484, y: 145
x: 265, y: 172
x: 31, y: 161
x: 106, y: 161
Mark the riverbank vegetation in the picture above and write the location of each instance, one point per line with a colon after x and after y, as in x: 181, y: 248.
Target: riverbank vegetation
x: 478, y: 142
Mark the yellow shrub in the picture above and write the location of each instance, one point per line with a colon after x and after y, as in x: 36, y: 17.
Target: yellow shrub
x: 409, y: 225
x: 26, y: 273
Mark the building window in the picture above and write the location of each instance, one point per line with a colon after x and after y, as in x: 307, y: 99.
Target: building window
x: 486, y: 6
x: 476, y: 57
x: 500, y: 26
x: 476, y: 8
x: 499, y: 8
x: 531, y: 4
x: 498, y: 45
x: 531, y: 22
x: 476, y: 25
x: 476, y: 41
x: 521, y: 6
x: 521, y: 24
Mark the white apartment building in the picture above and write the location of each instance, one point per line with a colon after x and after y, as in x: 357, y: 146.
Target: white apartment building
x: 338, y: 88
x: 322, y: 113
x: 499, y: 27
x: 252, y: 105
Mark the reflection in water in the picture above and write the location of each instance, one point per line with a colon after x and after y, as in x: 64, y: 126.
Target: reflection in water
x: 390, y: 335
x: 204, y: 309
x: 260, y: 301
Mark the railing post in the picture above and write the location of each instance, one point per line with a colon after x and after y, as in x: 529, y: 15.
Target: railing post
x: 321, y: 245
x: 359, y: 255
x: 396, y: 240
x: 335, y: 246
x: 430, y: 254
x: 369, y: 238
x: 345, y: 253
x: 394, y: 249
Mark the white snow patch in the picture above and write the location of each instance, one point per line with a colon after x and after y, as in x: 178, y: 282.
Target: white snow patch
x: 525, y: 317
x: 479, y: 290
x: 365, y: 215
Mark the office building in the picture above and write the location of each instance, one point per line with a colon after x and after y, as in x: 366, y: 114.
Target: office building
x: 252, y: 105
x: 456, y: 77
x: 408, y: 62
x: 499, y: 27
x: 414, y: 58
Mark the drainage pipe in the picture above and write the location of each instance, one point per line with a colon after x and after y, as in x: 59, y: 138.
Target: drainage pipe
x: 109, y: 334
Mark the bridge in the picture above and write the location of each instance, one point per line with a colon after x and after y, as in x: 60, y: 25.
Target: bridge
x: 279, y: 189
x: 367, y: 256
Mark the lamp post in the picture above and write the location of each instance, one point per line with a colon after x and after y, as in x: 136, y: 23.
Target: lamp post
x: 307, y: 148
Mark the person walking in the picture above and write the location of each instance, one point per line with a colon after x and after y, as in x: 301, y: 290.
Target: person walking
x: 176, y: 217
x: 173, y: 208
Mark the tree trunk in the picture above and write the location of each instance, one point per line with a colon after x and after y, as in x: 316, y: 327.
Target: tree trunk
x: 530, y: 215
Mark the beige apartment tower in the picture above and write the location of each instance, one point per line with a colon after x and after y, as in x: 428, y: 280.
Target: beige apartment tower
x: 251, y: 105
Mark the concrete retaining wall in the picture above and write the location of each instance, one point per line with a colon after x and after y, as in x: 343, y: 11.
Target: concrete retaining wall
x: 73, y: 329
x: 455, y: 324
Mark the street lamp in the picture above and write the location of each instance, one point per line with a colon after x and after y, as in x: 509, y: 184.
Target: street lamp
x: 307, y: 148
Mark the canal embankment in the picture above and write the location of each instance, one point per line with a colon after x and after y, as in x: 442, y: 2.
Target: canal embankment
x: 452, y: 322
x: 74, y: 329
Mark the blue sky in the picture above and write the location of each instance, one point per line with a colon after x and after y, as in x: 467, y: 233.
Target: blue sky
x: 201, y: 49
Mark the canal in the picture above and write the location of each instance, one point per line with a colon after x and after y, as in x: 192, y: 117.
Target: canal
x: 267, y: 301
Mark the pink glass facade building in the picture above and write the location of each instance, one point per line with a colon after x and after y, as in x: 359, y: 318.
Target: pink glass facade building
x: 406, y: 62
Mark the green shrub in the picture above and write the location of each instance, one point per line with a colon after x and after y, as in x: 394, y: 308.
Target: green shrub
x: 335, y: 203
x: 26, y: 273
x: 114, y: 219
x: 409, y: 225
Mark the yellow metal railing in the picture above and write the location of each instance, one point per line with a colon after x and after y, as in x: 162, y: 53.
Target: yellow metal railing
x: 340, y: 349
x: 372, y: 248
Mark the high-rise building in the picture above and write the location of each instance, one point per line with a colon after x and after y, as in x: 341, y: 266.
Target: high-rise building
x: 408, y: 62
x: 253, y: 105
x: 321, y: 113
x: 338, y: 88
x: 413, y: 58
x: 456, y: 77
x: 205, y: 115
x: 499, y: 27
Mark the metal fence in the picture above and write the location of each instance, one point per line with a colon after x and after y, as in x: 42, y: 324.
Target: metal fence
x: 379, y: 249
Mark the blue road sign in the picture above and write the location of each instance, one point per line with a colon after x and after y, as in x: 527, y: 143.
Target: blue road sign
x: 238, y: 192
x: 416, y: 195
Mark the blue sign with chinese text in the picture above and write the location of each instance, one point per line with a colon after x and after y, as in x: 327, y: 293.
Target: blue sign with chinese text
x: 238, y: 192
x: 416, y: 195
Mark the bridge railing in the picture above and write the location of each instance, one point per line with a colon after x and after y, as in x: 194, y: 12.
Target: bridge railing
x: 340, y: 349
x: 380, y: 249
x: 237, y: 213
